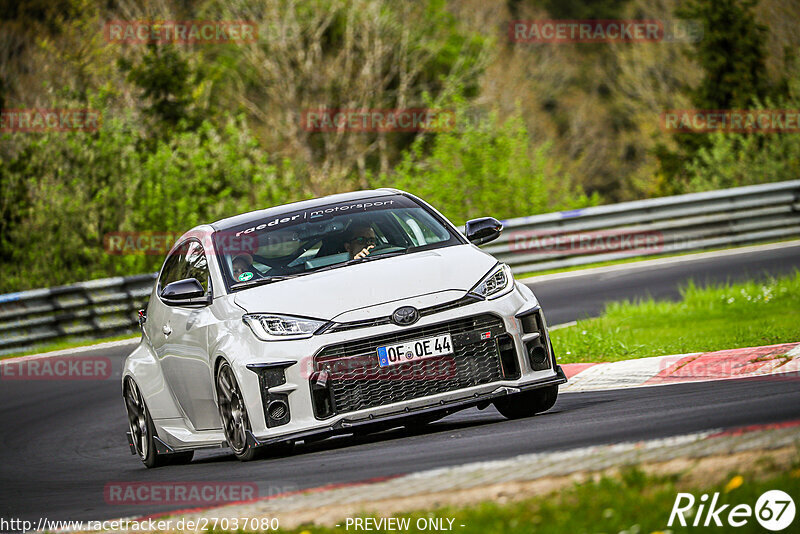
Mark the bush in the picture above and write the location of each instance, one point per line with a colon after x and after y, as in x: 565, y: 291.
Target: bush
x: 73, y: 188
x: 734, y: 159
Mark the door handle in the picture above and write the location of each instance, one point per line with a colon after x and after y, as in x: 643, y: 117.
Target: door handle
x: 166, y: 329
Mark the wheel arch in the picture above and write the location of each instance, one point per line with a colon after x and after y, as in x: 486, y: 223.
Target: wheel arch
x: 144, y: 369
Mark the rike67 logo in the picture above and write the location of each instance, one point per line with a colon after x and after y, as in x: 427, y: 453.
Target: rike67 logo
x: 774, y: 510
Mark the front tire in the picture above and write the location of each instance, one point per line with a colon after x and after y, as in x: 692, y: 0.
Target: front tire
x: 527, y: 403
x: 233, y: 413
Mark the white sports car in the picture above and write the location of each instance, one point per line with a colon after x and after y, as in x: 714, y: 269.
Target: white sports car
x: 350, y: 313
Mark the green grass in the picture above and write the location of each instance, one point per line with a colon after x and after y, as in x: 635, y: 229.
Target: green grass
x: 68, y: 344
x: 633, y: 502
x: 637, y: 259
x: 713, y: 318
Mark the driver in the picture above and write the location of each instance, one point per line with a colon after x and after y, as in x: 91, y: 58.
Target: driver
x: 242, y: 263
x: 360, y: 241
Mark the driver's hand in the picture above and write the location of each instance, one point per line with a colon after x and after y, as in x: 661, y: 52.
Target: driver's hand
x: 364, y: 252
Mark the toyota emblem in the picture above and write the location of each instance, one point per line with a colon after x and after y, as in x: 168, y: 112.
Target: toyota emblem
x: 407, y: 315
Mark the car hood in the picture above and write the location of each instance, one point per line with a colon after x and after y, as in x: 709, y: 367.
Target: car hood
x: 442, y: 275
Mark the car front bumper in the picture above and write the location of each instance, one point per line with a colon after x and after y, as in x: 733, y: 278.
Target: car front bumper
x: 295, y: 386
x: 345, y: 425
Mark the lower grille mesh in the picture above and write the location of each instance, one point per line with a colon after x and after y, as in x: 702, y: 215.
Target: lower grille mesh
x: 358, y: 381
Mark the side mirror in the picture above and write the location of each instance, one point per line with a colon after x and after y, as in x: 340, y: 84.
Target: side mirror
x: 185, y: 292
x: 483, y: 230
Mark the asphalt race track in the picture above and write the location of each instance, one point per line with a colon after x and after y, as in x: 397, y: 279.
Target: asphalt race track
x: 63, y: 441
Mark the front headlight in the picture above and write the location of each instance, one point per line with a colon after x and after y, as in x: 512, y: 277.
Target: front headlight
x: 496, y: 283
x: 271, y: 327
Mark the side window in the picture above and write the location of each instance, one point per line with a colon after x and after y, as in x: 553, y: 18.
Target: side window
x: 173, y: 269
x: 197, y: 264
x: 187, y: 261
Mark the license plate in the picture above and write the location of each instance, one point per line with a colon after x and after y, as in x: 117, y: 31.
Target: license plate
x: 418, y: 349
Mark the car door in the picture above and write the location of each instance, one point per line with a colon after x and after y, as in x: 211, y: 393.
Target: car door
x: 180, y: 339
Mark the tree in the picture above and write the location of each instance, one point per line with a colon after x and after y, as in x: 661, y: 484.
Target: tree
x: 347, y: 54
x: 732, y: 56
x: 165, y: 79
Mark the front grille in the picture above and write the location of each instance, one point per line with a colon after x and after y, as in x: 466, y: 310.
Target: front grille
x: 430, y: 310
x: 357, y: 381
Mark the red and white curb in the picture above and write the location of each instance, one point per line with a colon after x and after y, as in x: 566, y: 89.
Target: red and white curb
x: 780, y: 361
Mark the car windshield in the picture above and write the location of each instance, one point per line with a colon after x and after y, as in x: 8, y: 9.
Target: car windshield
x: 327, y: 237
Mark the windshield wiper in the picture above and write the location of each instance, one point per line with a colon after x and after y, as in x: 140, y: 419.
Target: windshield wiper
x: 264, y: 281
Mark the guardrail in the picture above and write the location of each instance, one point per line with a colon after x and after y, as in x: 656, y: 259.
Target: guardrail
x: 94, y: 309
x: 664, y: 225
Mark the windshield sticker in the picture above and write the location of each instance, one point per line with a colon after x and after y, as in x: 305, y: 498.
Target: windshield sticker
x: 348, y: 207
x: 244, y: 277
x: 277, y: 221
x: 315, y: 214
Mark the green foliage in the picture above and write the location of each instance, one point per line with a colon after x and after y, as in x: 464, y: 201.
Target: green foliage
x: 459, y: 51
x: 484, y: 167
x: 73, y: 189
x: 713, y: 318
x: 734, y: 159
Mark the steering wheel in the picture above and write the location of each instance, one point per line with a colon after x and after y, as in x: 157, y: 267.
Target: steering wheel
x: 377, y: 250
x: 271, y: 262
x: 385, y: 249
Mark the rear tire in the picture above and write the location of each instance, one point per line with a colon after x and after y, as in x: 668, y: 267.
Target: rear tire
x: 527, y: 403
x: 142, y: 428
